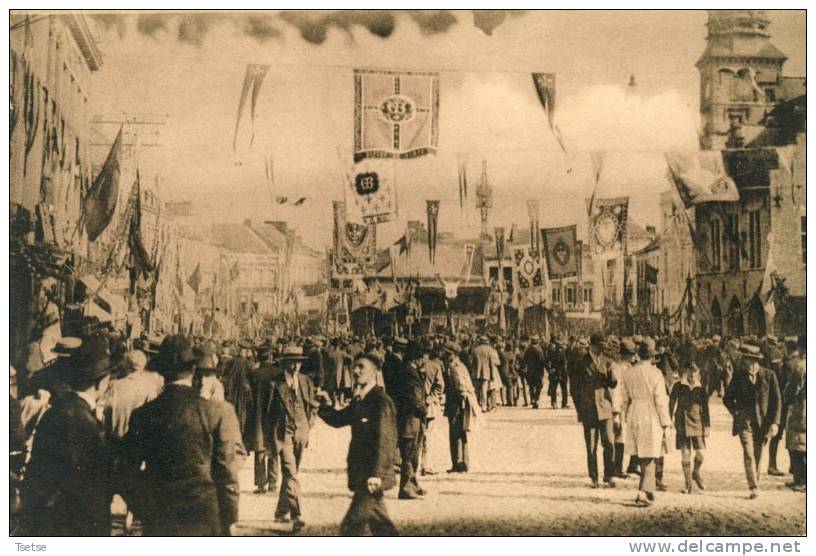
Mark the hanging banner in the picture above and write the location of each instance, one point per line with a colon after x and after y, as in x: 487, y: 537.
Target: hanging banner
x: 463, y: 181
x: 607, y: 227
x: 99, y: 204
x: 527, y: 268
x: 545, y: 87
x: 700, y: 177
x: 371, y: 190
x: 561, y: 250
x: 433, y: 218
x: 355, y: 245
x: 253, y: 79
x: 469, y: 250
x: 396, y: 114
x: 532, y: 212
x: 498, y: 233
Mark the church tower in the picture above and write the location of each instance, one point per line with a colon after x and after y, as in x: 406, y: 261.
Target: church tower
x: 740, y: 77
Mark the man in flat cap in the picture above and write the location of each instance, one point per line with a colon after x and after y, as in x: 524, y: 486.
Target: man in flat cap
x: 461, y: 406
x: 183, y: 454
x: 69, y: 488
x: 755, y: 403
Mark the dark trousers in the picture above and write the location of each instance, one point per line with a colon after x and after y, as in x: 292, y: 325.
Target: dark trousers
x: 536, y: 385
x: 620, y: 448
x: 752, y: 443
x: 367, y: 511
x: 266, y: 469
x: 798, y: 463
x: 556, y: 382
x: 773, y: 445
x: 481, y: 392
x: 409, y: 453
x: 458, y: 441
x: 289, y: 499
x: 511, y: 392
x: 603, y: 429
x: 523, y: 388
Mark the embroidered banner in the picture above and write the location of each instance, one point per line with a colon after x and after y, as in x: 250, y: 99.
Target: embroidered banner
x: 370, y: 187
x: 561, y: 250
x: 355, y: 246
x: 528, y: 268
x: 396, y: 114
x: 607, y: 226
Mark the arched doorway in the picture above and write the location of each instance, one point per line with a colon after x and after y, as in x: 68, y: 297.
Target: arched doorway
x: 735, y: 326
x: 756, y: 317
x: 716, y: 318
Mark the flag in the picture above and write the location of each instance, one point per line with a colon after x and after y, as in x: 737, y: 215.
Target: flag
x: 99, y: 204
x: 545, y: 87
x: 355, y: 244
x: 371, y: 189
x: 768, y: 286
x: 194, y: 281
x: 597, y: 158
x: 528, y: 268
x: 532, y: 212
x: 700, y: 177
x: 469, y: 250
x: 141, y: 258
x: 607, y: 226
x: 253, y: 79
x: 433, y: 218
x: 561, y: 251
x: 463, y: 183
x: 498, y: 234
x: 396, y: 114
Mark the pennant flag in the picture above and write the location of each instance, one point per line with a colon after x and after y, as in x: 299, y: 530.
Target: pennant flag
x: 370, y: 188
x: 141, y: 259
x: 469, y: 251
x: 253, y: 79
x: 396, y: 114
x: 498, y: 234
x: 532, y: 212
x: 99, y: 204
x: 561, y: 250
x: 607, y: 227
x: 767, y: 288
x: 194, y: 281
x: 597, y: 158
x: 700, y: 177
x: 545, y: 87
x: 433, y: 218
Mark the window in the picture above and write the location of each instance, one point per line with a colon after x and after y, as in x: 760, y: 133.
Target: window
x: 716, y: 245
x: 754, y: 240
x: 557, y: 295
x: 733, y: 236
x: 770, y: 95
x: 587, y: 295
x: 570, y: 294
x: 804, y: 239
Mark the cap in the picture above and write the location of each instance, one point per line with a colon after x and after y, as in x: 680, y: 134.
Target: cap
x: 292, y: 353
x: 627, y: 347
x: 751, y: 352
x: 452, y: 347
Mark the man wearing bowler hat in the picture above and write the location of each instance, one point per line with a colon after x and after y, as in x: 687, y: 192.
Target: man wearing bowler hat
x: 183, y: 454
x: 291, y: 411
x: 69, y: 487
x: 754, y: 401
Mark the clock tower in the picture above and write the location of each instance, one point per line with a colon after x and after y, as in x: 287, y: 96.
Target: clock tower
x: 740, y: 77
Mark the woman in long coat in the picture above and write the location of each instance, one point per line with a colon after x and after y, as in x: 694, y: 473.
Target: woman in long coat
x: 646, y: 407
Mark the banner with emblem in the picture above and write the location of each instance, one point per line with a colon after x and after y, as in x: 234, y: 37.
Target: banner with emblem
x: 607, y: 227
x: 370, y: 190
x: 528, y: 268
x: 396, y: 113
x: 355, y: 245
x: 561, y: 251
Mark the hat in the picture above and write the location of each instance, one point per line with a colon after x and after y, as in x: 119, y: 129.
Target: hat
x: 175, y: 354
x: 205, y: 357
x: 535, y: 338
x: 647, y: 348
x: 399, y: 343
x: 245, y: 344
x: 596, y: 340
x: 452, y: 347
x: 637, y: 338
x: 483, y: 339
x: 716, y: 338
x: 292, y: 353
x: 66, y: 346
x: 582, y: 342
x: 627, y: 347
x: 751, y: 352
x: 91, y: 361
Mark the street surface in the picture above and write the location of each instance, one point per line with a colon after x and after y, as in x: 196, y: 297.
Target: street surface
x: 529, y: 478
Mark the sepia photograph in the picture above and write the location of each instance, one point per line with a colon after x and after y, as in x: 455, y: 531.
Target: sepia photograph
x: 416, y: 273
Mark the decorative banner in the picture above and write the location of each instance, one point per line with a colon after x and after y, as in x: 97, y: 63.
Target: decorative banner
x: 433, y: 217
x: 253, y: 79
x: 597, y: 158
x: 355, y: 245
x: 545, y: 87
x: 370, y: 186
x: 463, y: 183
x: 528, y: 268
x: 99, y: 204
x: 607, y: 227
x: 532, y: 212
x: 700, y: 177
x: 561, y: 250
x: 396, y: 114
x: 469, y: 250
x: 498, y: 233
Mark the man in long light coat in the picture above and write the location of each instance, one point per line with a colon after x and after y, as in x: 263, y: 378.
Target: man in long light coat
x: 485, y: 359
x: 646, y: 407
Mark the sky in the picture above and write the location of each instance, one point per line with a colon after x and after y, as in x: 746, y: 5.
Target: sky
x: 191, y: 68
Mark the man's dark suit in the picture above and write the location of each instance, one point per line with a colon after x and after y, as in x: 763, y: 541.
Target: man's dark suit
x: 371, y: 454
x: 411, y: 409
x: 534, y: 364
x: 192, y: 452
x: 266, y: 461
x: 755, y: 406
x: 68, y: 488
x: 590, y: 382
x: 290, y: 416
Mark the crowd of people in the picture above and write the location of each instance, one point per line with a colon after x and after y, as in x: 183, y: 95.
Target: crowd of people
x: 167, y: 423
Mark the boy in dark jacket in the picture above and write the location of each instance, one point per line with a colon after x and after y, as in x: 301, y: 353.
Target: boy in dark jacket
x: 688, y: 405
